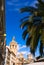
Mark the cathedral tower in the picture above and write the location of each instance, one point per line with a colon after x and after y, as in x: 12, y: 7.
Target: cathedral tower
x: 14, y: 46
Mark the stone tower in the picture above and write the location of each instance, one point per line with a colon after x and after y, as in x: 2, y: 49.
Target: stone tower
x: 14, y: 46
x: 30, y: 58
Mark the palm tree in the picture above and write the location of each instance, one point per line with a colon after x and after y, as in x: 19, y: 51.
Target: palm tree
x: 34, y: 27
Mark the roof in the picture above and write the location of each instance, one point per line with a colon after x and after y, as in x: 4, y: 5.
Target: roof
x: 13, y: 41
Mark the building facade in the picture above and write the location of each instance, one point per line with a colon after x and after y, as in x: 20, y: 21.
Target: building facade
x: 11, y: 57
x: 11, y: 52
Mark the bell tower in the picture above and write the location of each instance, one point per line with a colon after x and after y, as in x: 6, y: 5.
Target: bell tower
x: 14, y: 46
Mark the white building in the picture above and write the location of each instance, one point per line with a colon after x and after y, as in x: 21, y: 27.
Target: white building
x: 11, y: 57
x: 11, y: 51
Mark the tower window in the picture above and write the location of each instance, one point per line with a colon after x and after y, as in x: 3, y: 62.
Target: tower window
x: 13, y: 46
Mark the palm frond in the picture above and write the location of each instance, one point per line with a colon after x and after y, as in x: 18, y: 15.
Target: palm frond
x: 34, y: 26
x: 41, y: 49
x: 25, y: 34
x: 28, y: 40
x: 41, y: 2
x: 34, y: 42
x: 42, y: 36
x: 25, y: 23
x: 24, y: 18
x: 32, y: 51
x: 28, y: 9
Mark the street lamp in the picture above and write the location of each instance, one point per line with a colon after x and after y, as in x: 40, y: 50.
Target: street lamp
x: 2, y: 32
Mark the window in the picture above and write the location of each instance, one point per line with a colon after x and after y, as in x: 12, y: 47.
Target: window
x: 13, y: 46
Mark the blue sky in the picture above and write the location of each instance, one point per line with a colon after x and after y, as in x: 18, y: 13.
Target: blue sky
x: 13, y: 17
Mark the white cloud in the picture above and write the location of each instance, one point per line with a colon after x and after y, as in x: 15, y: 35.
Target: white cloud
x: 23, y: 52
x: 18, y: 53
x: 21, y: 47
x: 24, y: 46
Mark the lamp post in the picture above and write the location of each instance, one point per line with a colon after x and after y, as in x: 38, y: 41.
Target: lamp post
x: 2, y: 32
